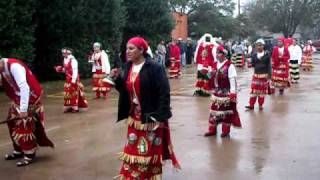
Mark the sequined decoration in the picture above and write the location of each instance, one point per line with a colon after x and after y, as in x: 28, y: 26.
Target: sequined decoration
x: 151, y: 135
x: 142, y: 146
x: 157, y: 141
x: 132, y: 138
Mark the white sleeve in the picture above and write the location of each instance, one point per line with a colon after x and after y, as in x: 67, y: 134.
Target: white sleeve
x: 149, y: 51
x: 233, y: 85
x: 199, y: 67
x: 299, y: 55
x: 249, y: 49
x: 19, y: 74
x: 232, y: 74
x: 314, y: 49
x: 74, y: 64
x: 105, y: 63
x: 91, y: 58
x: 214, y: 53
x: 304, y: 48
x: 93, y: 64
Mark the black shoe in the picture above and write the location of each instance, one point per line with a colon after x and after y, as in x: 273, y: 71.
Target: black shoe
x: 225, y: 135
x: 260, y: 108
x: 74, y: 111
x: 249, y: 107
x: 25, y: 162
x: 14, y: 155
x: 196, y: 93
x: 281, y: 91
x: 208, y: 134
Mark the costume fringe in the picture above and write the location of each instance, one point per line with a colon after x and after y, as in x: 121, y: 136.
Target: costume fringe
x: 259, y: 92
x: 101, y: 89
x: 122, y: 177
x: 173, y: 71
x: 98, y: 76
x: 260, y: 76
x: 281, y: 84
x: 142, y: 127
x: 220, y: 100
x: 279, y: 79
x: 282, y: 66
x: 307, y: 65
x: 131, y: 159
x: 35, y: 108
x: 221, y: 113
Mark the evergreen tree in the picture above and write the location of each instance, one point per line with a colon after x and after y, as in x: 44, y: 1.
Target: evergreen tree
x: 17, y: 29
x: 150, y: 19
x: 76, y: 24
x: 214, y: 17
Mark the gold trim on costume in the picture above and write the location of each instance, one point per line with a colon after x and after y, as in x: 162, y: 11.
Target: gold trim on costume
x: 155, y: 177
x: 221, y: 113
x: 142, y: 127
x: 220, y: 100
x: 131, y: 159
x: 98, y: 76
x: 260, y: 76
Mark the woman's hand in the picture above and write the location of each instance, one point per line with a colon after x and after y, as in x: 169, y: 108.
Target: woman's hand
x: 59, y: 69
x: 23, y: 115
x: 233, y: 97
x: 115, y: 73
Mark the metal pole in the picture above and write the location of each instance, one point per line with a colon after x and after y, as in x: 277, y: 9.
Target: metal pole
x: 239, y: 19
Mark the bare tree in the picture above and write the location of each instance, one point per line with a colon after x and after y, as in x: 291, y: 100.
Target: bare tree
x: 189, y: 6
x: 283, y: 15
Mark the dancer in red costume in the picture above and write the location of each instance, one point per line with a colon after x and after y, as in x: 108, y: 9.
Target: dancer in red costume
x: 26, y: 114
x: 308, y: 50
x: 101, y: 69
x: 224, y: 96
x: 74, y: 98
x: 204, y: 59
x: 145, y: 103
x: 280, y: 66
x: 261, y: 62
x: 175, y: 59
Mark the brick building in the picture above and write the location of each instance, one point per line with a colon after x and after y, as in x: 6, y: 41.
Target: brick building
x: 181, y: 26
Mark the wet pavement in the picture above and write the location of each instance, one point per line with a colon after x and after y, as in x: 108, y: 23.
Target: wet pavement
x: 279, y: 143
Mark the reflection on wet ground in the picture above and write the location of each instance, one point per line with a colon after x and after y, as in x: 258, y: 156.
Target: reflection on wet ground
x: 280, y: 142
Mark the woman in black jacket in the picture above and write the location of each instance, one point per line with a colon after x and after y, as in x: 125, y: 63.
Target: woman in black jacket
x: 145, y: 103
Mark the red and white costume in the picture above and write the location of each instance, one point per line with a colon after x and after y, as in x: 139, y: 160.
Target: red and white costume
x: 261, y: 63
x: 144, y: 150
x: 224, y: 105
x: 175, y: 58
x: 280, y: 67
x: 308, y: 50
x: 24, y: 90
x: 204, y: 58
x: 74, y: 97
x: 101, y: 69
x: 148, y: 144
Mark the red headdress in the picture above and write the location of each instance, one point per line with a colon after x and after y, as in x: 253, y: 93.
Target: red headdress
x: 282, y: 39
x: 140, y: 43
x: 221, y: 49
